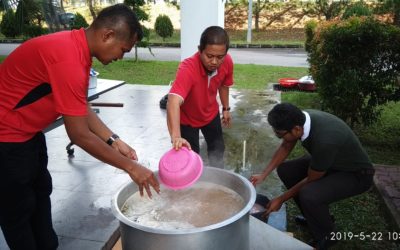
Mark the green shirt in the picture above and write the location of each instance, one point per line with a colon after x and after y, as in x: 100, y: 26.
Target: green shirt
x: 333, y: 145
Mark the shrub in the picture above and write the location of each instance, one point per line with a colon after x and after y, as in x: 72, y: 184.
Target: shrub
x: 144, y: 43
x: 28, y: 13
x: 139, y: 8
x: 8, y: 24
x: 34, y: 30
x: 163, y: 26
x: 355, y: 64
x: 309, y: 30
x: 357, y: 9
x: 79, y: 22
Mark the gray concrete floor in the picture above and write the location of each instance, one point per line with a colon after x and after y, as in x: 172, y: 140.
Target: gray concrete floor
x: 84, y: 186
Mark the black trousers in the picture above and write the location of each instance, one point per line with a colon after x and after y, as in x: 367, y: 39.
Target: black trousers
x: 314, y: 198
x: 213, y: 135
x: 25, y: 188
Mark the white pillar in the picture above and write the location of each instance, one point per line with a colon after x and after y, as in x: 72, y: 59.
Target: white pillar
x: 249, y: 21
x: 196, y: 16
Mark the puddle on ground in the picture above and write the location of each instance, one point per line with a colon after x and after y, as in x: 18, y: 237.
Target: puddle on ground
x: 250, y: 110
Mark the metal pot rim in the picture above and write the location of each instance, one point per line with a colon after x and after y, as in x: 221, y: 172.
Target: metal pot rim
x: 118, y: 214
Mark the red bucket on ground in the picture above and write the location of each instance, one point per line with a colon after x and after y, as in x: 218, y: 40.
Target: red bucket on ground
x: 289, y: 82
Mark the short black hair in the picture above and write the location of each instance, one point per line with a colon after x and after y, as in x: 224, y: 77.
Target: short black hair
x: 214, y: 35
x: 286, y: 116
x: 120, y: 18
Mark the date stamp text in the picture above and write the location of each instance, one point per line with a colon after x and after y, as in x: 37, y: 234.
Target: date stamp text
x: 371, y: 236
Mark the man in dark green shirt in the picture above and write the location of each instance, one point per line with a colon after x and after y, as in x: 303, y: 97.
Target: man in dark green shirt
x: 336, y: 166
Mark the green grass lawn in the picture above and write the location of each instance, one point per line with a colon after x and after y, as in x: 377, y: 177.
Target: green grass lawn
x: 141, y: 72
x: 161, y: 73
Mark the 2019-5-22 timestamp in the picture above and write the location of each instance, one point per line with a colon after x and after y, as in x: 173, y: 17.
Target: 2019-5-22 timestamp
x: 373, y: 236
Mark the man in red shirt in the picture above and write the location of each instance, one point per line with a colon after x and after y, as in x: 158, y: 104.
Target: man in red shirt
x: 44, y: 78
x: 192, y: 101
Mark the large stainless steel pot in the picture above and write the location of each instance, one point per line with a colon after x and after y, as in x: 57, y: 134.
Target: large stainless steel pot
x: 232, y: 233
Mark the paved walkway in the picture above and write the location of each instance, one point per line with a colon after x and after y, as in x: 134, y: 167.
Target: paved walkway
x: 387, y: 181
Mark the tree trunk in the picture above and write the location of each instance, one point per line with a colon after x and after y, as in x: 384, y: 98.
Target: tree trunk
x: 297, y: 21
x: 257, y: 16
x: 53, y: 20
x: 256, y: 21
x: 279, y: 15
x: 396, y: 15
x: 91, y: 8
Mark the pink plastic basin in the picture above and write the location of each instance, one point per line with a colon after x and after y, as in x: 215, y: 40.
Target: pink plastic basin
x: 180, y: 169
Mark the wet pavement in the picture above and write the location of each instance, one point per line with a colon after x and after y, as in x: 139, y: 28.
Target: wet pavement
x: 250, y: 142
x: 84, y: 186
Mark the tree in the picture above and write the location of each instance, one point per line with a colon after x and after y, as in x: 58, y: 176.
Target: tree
x: 140, y: 11
x: 8, y: 27
x: 266, y: 12
x: 356, y: 64
x: 234, y: 14
x: 4, y: 5
x: 79, y: 22
x: 144, y: 43
x: 392, y: 7
x: 357, y: 9
x: 28, y: 13
x: 92, y: 4
x: 327, y: 8
x: 51, y: 15
x: 280, y: 9
x: 258, y: 6
x: 276, y: 7
x: 173, y: 3
x: 163, y: 26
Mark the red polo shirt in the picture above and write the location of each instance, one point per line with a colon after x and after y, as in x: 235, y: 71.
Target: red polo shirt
x: 199, y: 90
x: 60, y: 62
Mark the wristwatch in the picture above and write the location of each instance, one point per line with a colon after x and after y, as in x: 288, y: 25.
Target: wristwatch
x: 112, y: 139
x: 226, y: 108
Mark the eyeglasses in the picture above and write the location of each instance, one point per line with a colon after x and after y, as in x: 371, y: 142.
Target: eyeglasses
x: 280, y: 134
